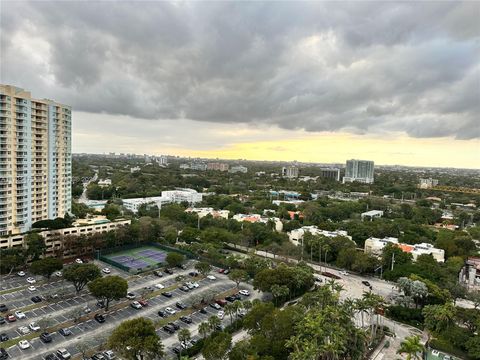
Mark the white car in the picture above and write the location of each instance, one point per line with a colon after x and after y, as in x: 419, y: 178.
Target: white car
x: 244, y: 292
x: 23, y: 344
x: 170, y: 311
x: 211, y: 277
x: 131, y: 296
x: 20, y: 315
x: 24, y: 330
x: 159, y: 286
x: 136, y: 305
x: 31, y: 280
x: 63, y: 354
x: 106, y: 271
x: 32, y: 288
x: 79, y: 261
x: 109, y: 354
x: 87, y: 310
x: 221, y: 314
x: 58, y: 273
x: 195, y: 285
x: 21, y: 273
x: 33, y: 326
x: 344, y: 273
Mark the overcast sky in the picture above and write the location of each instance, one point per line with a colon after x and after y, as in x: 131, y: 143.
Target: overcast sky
x: 263, y: 80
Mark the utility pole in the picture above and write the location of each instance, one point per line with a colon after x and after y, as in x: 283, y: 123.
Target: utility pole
x: 393, y: 260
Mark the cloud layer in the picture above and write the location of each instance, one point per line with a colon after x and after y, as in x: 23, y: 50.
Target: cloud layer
x: 360, y: 67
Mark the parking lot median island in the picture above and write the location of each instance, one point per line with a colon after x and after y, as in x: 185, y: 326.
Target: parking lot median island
x: 12, y: 290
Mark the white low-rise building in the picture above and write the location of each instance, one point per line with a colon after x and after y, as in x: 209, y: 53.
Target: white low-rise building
x: 253, y: 218
x: 296, y: 236
x: 104, y: 182
x: 238, y: 168
x: 372, y: 214
x: 135, y: 169
x: 171, y: 196
x: 375, y: 246
x: 202, y: 212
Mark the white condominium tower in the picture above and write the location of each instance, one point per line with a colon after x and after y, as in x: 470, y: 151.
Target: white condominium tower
x: 359, y: 170
x: 35, y: 160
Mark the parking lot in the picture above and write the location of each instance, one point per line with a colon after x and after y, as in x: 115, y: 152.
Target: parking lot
x: 91, y: 331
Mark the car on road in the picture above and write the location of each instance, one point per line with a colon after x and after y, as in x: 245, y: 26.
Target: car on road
x: 106, y: 270
x: 131, y: 295
x: 3, y: 308
x: 65, y: 332
x: 20, y: 315
x: 162, y: 313
x: 136, y: 305
x: 21, y: 273
x: 109, y: 355
x: 184, y: 288
x: 157, y: 273
x: 63, y: 354
x: 23, y: 344
x: 58, y: 273
x: 11, y: 318
x: 79, y: 261
x: 181, y: 305
x: 31, y: 280
x: 34, y: 326
x: 344, y: 273
x: 174, y: 325
x: 170, y: 310
x: 186, y: 319
x: 169, y: 329
x: 36, y: 299
x: 244, y: 292
x: 100, y: 318
x: 32, y: 288
x: 366, y: 283
x: 24, y: 330
x: 167, y: 294
x: 215, y: 306
x: 3, y: 354
x: 159, y: 286
x: 4, y: 337
x: 143, y: 302
x: 168, y: 271
x: 221, y: 314
x: 211, y: 277
x: 46, y: 337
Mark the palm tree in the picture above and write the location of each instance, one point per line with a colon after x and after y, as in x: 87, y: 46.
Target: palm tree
x: 184, y: 337
x: 204, y: 329
x: 372, y: 302
x: 230, y: 310
x: 279, y: 291
x: 412, y: 347
x: 237, y: 305
x: 213, y: 322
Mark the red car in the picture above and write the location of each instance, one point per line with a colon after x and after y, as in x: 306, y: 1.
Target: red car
x: 143, y: 302
x: 11, y: 318
x: 221, y: 271
x: 221, y: 302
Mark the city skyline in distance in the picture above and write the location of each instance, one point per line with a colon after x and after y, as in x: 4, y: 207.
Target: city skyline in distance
x: 318, y: 82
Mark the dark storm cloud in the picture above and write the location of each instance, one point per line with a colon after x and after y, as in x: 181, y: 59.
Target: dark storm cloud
x: 358, y: 67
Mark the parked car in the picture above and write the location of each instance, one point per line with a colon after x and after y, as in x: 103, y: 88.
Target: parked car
x: 184, y: 288
x: 136, y: 305
x: 63, y: 354
x: 20, y: 314
x: 174, y: 325
x: 106, y: 270
x: 221, y: 302
x: 230, y: 298
x: 162, y: 313
x: 11, y: 318
x: 2, y: 320
x: 193, y: 273
x: 158, y: 273
x: 23, y: 344
x: 98, y: 356
x: 149, y: 288
x: 51, y: 357
x: 211, y: 277
x: 33, y: 326
x: 109, y: 355
x: 79, y: 261
x: 100, y: 304
x: 167, y: 294
x: 31, y: 280
x: 181, y: 305
x: 244, y: 292
x: 226, y: 272
x: 36, y: 299
x: 32, y: 288
x: 4, y: 337
x: 143, y: 302
x: 3, y: 354
x: 100, y: 318
x: 3, y: 308
x: 21, y: 273
x: 366, y: 283
x: 65, y: 332
x: 221, y: 271
x: 169, y: 329
x: 131, y: 296
x: 24, y: 330
x: 221, y: 314
x: 177, y: 349
x: 203, y: 311
x: 58, y: 273
x: 168, y: 271
x: 170, y: 310
x: 186, y: 319
x: 159, y: 286
x: 46, y: 337
x: 215, y: 306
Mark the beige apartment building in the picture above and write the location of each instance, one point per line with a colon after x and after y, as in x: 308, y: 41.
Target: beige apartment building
x: 35, y: 160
